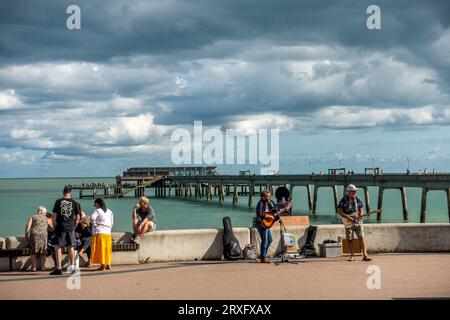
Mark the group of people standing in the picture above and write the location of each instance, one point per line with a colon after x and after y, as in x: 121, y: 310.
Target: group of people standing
x: 67, y: 226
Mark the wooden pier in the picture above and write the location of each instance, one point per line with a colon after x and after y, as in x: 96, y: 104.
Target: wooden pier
x: 204, y: 183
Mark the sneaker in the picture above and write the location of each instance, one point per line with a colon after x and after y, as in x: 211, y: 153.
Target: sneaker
x: 56, y: 272
x: 136, y: 240
x: 266, y: 260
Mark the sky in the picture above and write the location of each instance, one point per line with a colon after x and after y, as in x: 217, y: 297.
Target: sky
x: 94, y: 101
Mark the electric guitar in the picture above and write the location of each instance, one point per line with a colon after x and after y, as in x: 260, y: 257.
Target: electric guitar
x: 270, y: 218
x: 348, y: 223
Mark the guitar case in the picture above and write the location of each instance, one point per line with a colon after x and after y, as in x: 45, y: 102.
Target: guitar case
x: 309, y: 250
x: 231, y: 248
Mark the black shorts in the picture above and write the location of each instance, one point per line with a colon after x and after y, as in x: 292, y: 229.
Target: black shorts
x: 65, y: 238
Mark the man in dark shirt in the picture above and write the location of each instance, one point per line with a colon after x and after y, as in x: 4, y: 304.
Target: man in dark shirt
x: 66, y: 215
x: 264, y: 205
x: 351, y: 210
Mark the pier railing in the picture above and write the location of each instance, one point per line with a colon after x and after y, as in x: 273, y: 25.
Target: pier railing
x: 205, y: 186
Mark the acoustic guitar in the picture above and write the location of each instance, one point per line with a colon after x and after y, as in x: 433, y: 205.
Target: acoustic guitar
x: 270, y: 218
x: 350, y: 223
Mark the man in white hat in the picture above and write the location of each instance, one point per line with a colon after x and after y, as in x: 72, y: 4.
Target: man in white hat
x: 351, y: 210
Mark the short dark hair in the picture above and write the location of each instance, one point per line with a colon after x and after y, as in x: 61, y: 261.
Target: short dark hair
x: 67, y: 189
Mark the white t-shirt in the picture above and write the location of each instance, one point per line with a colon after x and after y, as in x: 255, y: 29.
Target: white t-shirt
x: 103, y: 220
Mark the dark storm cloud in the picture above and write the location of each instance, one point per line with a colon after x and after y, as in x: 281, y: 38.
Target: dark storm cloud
x: 35, y: 30
x: 162, y: 63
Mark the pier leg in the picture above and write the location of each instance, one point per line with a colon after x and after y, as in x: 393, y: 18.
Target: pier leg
x: 316, y: 193
x: 221, y: 193
x: 404, y: 203
x: 308, y: 190
x: 380, y: 202
x: 250, y: 195
x: 336, y: 199
x: 367, y: 198
x: 235, y: 195
x: 209, y: 193
x: 423, y: 205
x: 291, y: 191
x: 81, y: 194
x: 448, y: 202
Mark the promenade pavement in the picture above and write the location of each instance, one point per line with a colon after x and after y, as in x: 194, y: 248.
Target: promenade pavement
x: 401, y: 276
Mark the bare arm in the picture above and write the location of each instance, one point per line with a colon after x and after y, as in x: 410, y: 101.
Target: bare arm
x: 54, y: 220
x: 28, y: 227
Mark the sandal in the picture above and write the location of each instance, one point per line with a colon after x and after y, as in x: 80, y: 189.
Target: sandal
x: 351, y: 259
x: 366, y: 259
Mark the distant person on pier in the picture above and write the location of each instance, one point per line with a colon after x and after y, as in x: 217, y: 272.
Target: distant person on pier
x: 102, y: 220
x: 36, y: 234
x: 66, y: 215
x: 144, y: 219
x: 351, y: 209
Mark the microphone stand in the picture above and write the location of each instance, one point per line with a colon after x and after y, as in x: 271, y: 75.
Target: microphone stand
x: 283, y: 256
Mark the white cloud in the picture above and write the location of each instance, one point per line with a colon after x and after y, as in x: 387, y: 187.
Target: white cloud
x: 9, y: 100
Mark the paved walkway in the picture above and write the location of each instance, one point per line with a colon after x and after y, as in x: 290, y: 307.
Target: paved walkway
x: 402, y: 276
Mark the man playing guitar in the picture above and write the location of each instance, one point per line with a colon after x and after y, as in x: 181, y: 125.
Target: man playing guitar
x: 265, y: 207
x: 352, y: 213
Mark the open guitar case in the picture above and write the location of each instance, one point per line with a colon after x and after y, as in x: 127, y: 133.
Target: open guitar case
x: 231, y: 248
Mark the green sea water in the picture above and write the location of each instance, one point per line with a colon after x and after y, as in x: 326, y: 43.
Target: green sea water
x: 19, y: 198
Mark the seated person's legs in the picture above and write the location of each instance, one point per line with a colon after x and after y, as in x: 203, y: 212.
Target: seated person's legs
x: 135, y: 227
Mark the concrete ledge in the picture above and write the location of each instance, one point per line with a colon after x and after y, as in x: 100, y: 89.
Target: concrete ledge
x: 4, y: 264
x: 411, y: 237
x: 16, y: 243
x: 381, y: 238
x: 207, y: 244
x: 181, y: 245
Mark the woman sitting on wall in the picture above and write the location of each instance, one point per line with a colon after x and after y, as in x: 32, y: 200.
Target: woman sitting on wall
x: 84, y: 234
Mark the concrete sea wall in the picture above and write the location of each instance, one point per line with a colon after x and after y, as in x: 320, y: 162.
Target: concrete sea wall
x: 206, y: 244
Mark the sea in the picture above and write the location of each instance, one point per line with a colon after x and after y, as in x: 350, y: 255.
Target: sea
x: 20, y: 198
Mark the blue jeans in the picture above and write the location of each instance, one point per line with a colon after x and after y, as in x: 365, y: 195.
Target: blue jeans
x: 266, y: 240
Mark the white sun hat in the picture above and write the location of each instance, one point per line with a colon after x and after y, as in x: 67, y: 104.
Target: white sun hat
x: 351, y: 187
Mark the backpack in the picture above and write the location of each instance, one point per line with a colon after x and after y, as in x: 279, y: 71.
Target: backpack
x: 250, y: 252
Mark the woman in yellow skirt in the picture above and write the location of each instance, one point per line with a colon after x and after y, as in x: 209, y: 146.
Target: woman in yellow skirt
x: 102, y: 222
